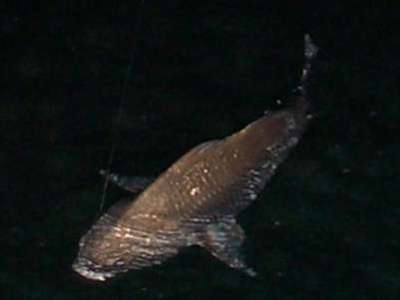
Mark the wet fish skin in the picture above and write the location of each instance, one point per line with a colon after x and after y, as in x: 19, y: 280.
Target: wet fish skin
x: 195, y: 201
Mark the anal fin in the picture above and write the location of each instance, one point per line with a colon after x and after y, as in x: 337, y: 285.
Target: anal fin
x: 224, y: 240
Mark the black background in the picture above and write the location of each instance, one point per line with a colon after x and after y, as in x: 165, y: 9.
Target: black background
x: 327, y: 226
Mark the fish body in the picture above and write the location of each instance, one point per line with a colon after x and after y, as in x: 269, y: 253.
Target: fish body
x: 196, y: 200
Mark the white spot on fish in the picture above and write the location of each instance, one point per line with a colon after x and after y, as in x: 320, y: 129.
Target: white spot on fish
x: 293, y: 141
x: 203, y: 179
x: 277, y: 223
x: 194, y: 191
x: 253, y: 196
x: 119, y: 263
x: 269, y: 165
x: 291, y: 124
x: 105, y: 245
x: 257, y: 179
x: 254, y: 172
x: 346, y: 170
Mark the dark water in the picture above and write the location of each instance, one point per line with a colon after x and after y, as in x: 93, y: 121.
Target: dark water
x: 327, y: 227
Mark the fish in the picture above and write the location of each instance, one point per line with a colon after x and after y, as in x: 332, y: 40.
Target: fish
x: 196, y: 200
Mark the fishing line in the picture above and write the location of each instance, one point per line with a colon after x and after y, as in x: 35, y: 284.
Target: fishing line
x: 116, y: 124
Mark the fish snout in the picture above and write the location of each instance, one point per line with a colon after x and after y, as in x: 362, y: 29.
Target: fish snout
x: 87, y: 269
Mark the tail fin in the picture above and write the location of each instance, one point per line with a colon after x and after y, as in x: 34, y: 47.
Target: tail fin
x: 310, y: 52
x: 300, y: 93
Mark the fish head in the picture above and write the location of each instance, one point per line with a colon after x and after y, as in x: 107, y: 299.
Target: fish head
x: 90, y: 270
x: 120, y: 241
x: 107, y: 248
x: 103, y: 253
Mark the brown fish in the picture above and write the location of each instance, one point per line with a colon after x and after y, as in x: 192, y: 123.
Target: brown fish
x: 195, y: 201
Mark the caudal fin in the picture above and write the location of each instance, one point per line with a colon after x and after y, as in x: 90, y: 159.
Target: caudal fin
x: 300, y: 94
x: 310, y: 52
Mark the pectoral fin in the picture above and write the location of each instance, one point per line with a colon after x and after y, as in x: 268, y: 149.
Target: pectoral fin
x: 223, y: 240
x: 131, y: 184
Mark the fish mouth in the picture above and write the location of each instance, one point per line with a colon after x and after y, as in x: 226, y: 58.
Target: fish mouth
x: 85, y: 268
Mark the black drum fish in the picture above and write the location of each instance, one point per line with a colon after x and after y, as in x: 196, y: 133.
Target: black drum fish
x: 196, y: 200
